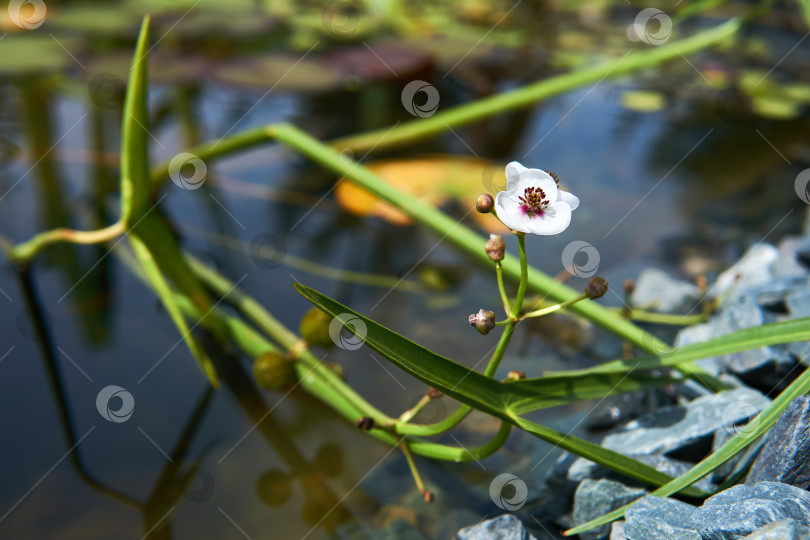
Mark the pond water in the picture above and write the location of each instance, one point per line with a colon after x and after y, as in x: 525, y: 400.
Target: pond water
x: 684, y: 187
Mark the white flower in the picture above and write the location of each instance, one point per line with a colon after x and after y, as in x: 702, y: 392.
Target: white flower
x: 533, y: 202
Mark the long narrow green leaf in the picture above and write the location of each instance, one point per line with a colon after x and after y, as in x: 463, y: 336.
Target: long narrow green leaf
x: 757, y: 427
x: 741, y: 340
x: 476, y: 390
x: 135, y: 181
x: 164, y: 291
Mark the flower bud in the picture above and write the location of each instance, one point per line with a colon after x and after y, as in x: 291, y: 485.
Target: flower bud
x: 485, y: 203
x: 366, y: 423
x: 596, y: 287
x: 483, y: 321
x: 428, y: 496
x: 516, y: 375
x: 314, y: 328
x: 495, y: 247
x: 629, y: 286
x: 272, y: 371
x: 434, y: 393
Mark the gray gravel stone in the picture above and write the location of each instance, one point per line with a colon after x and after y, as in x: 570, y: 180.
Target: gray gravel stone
x: 672, y: 511
x: 798, y: 304
x: 617, y: 530
x: 595, y: 498
x: 784, y: 529
x: 505, y: 527
x: 675, y: 427
x: 786, y: 455
x: 658, y: 291
x: 789, y: 264
x: 582, y: 468
x: 750, y: 271
x: 743, y: 509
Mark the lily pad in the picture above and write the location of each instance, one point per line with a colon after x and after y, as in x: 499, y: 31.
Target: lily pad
x: 380, y: 61
x: 643, y: 100
x: 775, y: 107
x: 284, y: 72
x: 109, y: 20
x: 36, y: 54
x: 434, y: 180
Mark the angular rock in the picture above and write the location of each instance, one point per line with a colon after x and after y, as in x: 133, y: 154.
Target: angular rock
x: 505, y: 527
x: 786, y: 455
x: 582, y: 468
x: 671, y: 511
x: 617, y: 530
x: 789, y: 262
x: 595, y: 498
x: 751, y: 270
x: 673, y: 428
x: 798, y: 304
x: 656, y: 290
x: 784, y: 529
x: 742, y: 509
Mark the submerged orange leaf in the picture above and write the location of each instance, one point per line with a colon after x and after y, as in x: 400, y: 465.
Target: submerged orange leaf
x: 434, y: 180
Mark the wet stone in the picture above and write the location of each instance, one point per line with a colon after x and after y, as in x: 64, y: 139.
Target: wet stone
x: 658, y: 291
x: 786, y: 455
x: 505, y: 527
x: 784, y: 529
x: 595, y: 498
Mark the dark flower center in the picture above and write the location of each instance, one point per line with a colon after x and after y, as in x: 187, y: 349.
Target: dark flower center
x: 534, y: 201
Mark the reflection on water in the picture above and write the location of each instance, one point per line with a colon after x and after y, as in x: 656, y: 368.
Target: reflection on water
x: 685, y: 188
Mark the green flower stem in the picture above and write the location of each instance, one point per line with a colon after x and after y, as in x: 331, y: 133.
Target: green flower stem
x: 411, y: 413
x: 287, y: 339
x: 524, y: 275
x: 417, y: 478
x: 347, y: 276
x: 505, y: 299
x: 27, y: 250
x: 252, y: 343
x: 664, y: 318
x: 555, y: 307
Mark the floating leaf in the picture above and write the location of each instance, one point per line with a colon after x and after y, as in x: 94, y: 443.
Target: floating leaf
x: 281, y: 72
x: 31, y: 54
x: 643, y: 100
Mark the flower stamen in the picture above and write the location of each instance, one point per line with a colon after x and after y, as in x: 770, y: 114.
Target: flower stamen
x: 554, y: 176
x: 534, y: 201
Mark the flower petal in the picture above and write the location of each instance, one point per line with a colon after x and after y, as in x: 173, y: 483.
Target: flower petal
x: 514, y: 170
x: 570, y: 198
x: 554, y: 220
x: 510, y: 212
